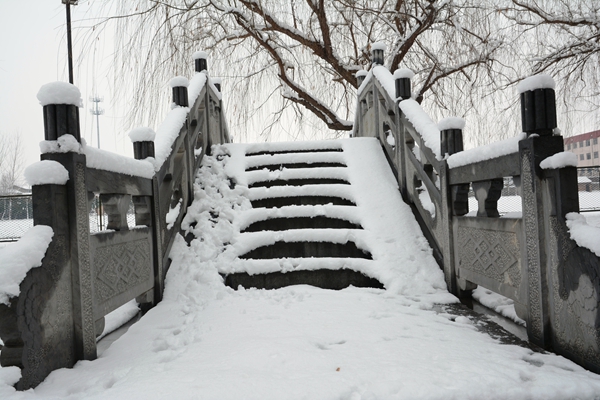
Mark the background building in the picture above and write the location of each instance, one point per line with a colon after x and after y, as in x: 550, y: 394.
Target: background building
x: 586, y: 147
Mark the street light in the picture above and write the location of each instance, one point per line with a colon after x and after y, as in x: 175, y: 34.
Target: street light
x: 69, y: 3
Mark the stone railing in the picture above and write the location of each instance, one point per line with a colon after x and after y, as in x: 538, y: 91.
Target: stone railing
x: 528, y: 257
x: 60, y: 310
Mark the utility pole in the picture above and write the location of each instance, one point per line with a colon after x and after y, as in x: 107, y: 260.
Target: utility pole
x: 70, y: 3
x: 97, y: 111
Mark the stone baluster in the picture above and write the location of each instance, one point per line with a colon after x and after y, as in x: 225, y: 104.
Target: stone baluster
x: 116, y: 206
x: 487, y: 194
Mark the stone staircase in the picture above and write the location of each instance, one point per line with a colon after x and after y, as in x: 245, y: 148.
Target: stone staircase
x: 289, y: 187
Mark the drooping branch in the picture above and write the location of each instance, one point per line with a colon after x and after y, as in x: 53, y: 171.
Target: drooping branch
x: 300, y: 95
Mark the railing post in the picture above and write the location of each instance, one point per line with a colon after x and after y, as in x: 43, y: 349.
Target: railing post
x: 55, y: 307
x: 451, y: 138
x: 180, y: 91
x: 217, y: 82
x: 539, y: 119
x: 403, y: 92
x: 147, y: 211
x: 200, y: 61
x: 454, y: 203
x: 563, y: 278
x: 377, y: 53
x: 402, y: 79
x: 360, y: 77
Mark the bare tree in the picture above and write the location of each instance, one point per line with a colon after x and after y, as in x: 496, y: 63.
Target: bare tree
x: 11, y: 162
x: 564, y: 41
x: 302, y: 55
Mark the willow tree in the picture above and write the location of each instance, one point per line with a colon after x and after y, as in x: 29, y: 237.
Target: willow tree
x: 564, y: 41
x: 300, y: 57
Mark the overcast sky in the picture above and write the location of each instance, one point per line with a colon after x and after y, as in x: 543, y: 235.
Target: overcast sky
x: 33, y: 52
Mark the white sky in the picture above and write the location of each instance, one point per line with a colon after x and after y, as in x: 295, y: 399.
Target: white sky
x: 33, y: 52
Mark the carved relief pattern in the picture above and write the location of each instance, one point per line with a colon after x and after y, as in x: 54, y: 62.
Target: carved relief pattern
x: 45, y: 311
x: 490, y: 253
x: 85, y: 274
x: 121, y: 267
x: 532, y: 245
x: 575, y: 312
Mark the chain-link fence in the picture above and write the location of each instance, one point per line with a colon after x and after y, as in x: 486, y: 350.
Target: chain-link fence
x: 16, y: 216
x: 588, y: 180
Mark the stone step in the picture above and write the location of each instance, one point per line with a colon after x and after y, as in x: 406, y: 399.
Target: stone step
x: 297, y: 165
x: 322, y: 278
x: 317, y: 222
x: 277, y: 202
x: 283, y: 151
x: 305, y: 249
x: 298, y: 182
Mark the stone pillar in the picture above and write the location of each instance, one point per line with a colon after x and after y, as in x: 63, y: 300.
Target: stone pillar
x: 180, y: 91
x: 54, y: 311
x: 217, y: 82
x: 538, y: 116
x: 360, y: 77
x: 377, y: 53
x: 200, y: 61
x: 402, y: 78
x: 147, y: 213
x: 454, y: 203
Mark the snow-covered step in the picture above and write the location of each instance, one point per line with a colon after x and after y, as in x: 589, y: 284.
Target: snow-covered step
x: 280, y: 196
x: 307, y: 200
x: 294, y: 160
x: 297, y: 177
x: 284, y: 223
x: 283, y: 150
x: 281, y: 166
x: 329, y: 279
x: 306, y: 249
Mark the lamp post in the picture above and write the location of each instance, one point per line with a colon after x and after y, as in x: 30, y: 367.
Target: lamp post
x: 69, y: 3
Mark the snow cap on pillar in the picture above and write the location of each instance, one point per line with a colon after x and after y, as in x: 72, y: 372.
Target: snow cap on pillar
x: 377, y: 50
x: 451, y: 135
x: 360, y: 76
x: 200, y: 61
x: 180, y: 92
x: 143, y: 142
x: 402, y: 77
x: 538, y: 105
x: 61, y: 102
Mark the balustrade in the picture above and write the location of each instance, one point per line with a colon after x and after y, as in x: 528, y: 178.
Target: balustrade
x: 529, y: 258
x: 83, y: 277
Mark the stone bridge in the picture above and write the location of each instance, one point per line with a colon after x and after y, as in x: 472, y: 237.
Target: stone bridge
x: 53, y: 319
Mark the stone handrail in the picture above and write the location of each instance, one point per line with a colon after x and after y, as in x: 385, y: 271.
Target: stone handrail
x: 530, y: 258
x: 60, y: 310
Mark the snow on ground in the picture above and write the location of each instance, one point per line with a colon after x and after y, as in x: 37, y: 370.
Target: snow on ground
x: 500, y: 304
x: 205, y: 340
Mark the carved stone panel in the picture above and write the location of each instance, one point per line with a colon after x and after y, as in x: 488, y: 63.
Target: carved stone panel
x: 122, y: 268
x: 491, y: 253
x: 575, y: 287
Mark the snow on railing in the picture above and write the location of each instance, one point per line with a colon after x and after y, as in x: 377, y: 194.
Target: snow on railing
x: 18, y: 258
